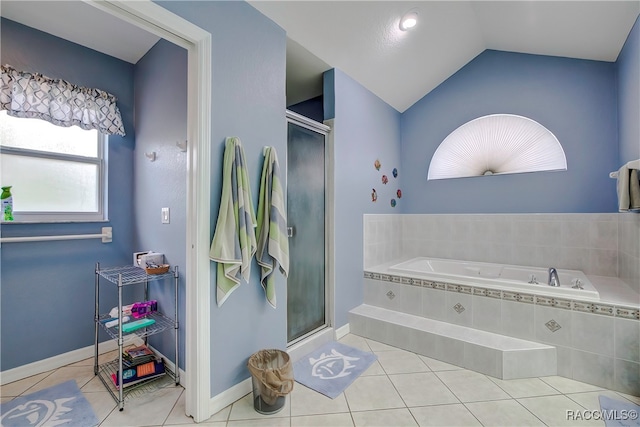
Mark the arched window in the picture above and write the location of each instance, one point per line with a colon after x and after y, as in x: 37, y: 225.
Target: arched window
x: 497, y: 144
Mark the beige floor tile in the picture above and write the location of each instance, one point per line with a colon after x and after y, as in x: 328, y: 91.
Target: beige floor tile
x: 355, y: 341
x: 222, y: 415
x: 444, y: 415
x: 437, y: 365
x: 82, y: 375
x: 556, y: 410
x: 102, y: 403
x: 94, y: 385
x: 305, y: 401
x: 503, y: 413
x: 589, y: 400
x: 213, y: 424
x: 422, y: 389
x: 327, y: 420
x: 178, y: 414
x: 378, y: 346
x: 469, y: 386
x: 401, y: 362
x: 526, y: 387
x: 384, y: 418
x: 371, y: 393
x: 566, y: 385
x: 243, y: 410
x: 18, y: 388
x: 271, y: 422
x: 374, y: 369
x: 150, y: 409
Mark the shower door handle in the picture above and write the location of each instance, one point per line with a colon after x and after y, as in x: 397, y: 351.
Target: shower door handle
x: 290, y: 231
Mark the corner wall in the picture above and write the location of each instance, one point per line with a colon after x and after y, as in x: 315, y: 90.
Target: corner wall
x: 628, y: 73
x: 366, y: 129
x: 161, y: 121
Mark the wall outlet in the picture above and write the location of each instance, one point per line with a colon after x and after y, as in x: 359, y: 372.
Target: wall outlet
x: 165, y: 215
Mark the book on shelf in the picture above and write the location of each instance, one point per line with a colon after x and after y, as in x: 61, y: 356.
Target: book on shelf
x: 139, y: 373
x: 134, y: 356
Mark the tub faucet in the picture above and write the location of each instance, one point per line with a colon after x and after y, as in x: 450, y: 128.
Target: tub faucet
x: 554, y: 280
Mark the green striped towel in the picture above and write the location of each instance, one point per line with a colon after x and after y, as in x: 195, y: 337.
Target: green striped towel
x: 273, y: 244
x: 234, y: 241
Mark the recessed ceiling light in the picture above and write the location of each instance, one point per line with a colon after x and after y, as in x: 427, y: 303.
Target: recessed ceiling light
x: 409, y: 20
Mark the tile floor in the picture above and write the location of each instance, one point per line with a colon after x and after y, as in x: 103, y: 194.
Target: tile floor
x: 400, y: 389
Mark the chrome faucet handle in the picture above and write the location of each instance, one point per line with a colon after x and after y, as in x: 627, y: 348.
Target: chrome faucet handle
x: 533, y: 279
x: 577, y: 284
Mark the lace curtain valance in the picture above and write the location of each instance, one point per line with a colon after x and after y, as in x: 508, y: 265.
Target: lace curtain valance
x: 59, y: 102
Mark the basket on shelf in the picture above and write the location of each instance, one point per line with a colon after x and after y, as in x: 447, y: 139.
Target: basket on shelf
x: 158, y: 269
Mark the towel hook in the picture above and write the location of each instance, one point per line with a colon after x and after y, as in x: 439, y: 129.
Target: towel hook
x: 151, y: 156
x: 182, y: 145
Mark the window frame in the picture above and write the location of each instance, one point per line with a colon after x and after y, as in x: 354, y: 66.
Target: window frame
x: 61, y: 216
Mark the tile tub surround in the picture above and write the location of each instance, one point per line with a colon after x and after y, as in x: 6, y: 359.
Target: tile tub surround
x: 596, y: 342
x: 629, y: 249
x: 606, y: 244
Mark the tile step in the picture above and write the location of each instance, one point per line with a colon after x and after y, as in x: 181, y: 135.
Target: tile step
x: 486, y: 352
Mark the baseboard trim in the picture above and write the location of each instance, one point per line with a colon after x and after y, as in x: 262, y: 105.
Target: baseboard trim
x: 55, y: 362
x: 230, y: 395
x: 172, y: 366
x: 342, y: 331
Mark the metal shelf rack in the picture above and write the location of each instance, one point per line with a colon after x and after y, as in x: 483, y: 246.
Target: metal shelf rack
x: 125, y: 276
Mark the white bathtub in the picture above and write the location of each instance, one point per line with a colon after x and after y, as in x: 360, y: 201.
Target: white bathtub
x: 498, y: 276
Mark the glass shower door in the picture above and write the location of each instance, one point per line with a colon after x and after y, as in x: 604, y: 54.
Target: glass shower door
x: 306, y: 293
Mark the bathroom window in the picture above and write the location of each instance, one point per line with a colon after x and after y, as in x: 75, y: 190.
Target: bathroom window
x: 55, y: 173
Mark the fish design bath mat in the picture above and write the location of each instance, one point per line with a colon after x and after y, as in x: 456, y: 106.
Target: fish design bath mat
x: 331, y: 368
x: 60, y: 405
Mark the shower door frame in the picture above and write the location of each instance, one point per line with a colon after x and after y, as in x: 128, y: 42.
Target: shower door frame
x: 326, y: 130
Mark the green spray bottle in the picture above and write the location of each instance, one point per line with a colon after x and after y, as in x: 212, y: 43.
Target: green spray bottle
x: 7, y: 204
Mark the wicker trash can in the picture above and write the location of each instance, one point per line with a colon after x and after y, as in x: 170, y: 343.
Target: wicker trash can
x: 272, y: 380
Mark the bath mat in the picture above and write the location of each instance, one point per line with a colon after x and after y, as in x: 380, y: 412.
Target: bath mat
x: 332, y: 368
x: 60, y: 405
x: 616, y: 413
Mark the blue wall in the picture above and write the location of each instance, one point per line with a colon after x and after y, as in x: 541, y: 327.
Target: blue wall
x: 628, y: 67
x: 48, y: 287
x: 248, y: 101
x: 161, y: 120
x: 574, y: 99
x: 365, y: 129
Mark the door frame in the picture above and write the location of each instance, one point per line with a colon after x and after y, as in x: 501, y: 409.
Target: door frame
x: 326, y: 130
x: 159, y: 21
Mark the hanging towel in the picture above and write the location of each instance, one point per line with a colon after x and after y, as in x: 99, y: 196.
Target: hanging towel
x: 629, y: 186
x: 273, y: 244
x: 234, y: 241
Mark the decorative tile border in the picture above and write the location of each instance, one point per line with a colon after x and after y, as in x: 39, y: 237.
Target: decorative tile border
x: 565, y: 304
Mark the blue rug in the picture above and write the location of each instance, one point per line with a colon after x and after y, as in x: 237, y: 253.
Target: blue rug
x: 332, y: 368
x: 616, y: 413
x: 60, y: 405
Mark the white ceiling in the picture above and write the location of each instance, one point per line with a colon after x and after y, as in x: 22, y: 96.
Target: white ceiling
x: 362, y: 38
x: 83, y: 24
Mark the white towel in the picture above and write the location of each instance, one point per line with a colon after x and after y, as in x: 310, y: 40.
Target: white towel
x: 273, y: 243
x: 234, y: 241
x: 628, y: 186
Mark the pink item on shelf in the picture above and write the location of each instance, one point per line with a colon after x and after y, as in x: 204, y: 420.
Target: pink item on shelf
x: 143, y: 309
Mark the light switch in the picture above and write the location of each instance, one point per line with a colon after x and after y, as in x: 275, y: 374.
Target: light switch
x: 165, y: 215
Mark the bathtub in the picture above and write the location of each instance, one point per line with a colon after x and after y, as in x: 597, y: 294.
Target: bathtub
x: 498, y: 276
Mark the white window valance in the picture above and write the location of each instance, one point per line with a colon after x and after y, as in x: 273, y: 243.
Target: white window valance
x: 57, y: 101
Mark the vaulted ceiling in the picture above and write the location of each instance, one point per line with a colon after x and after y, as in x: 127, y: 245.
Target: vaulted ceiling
x: 363, y: 39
